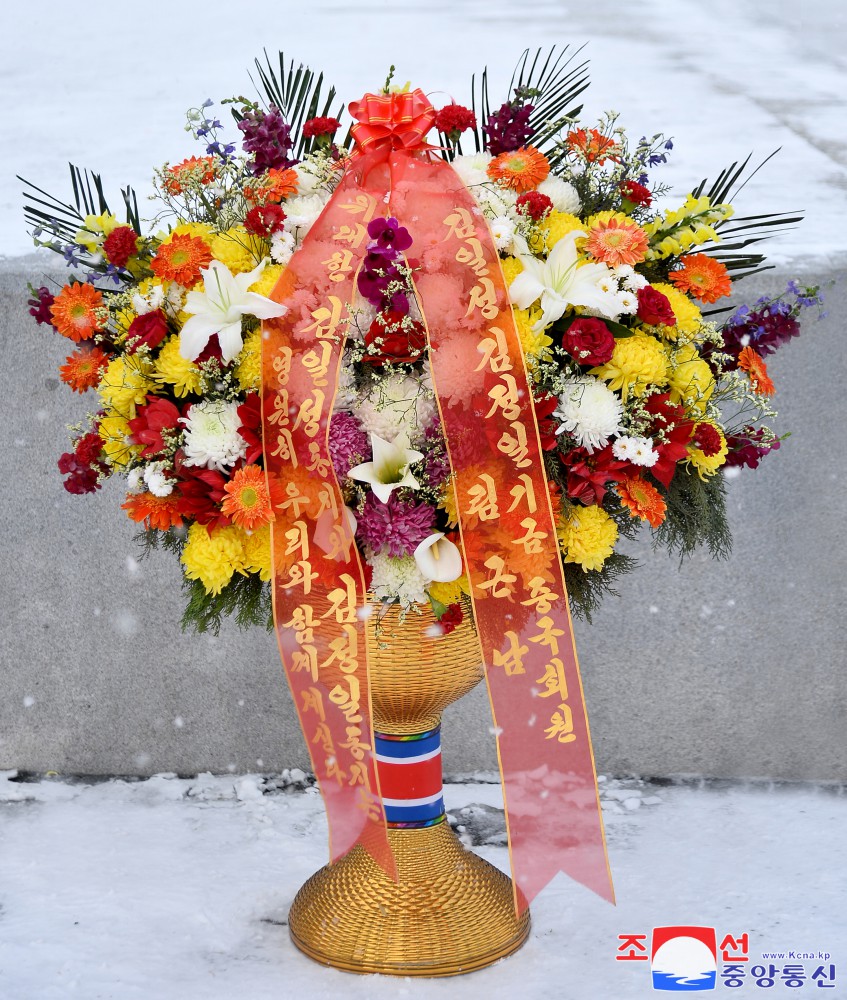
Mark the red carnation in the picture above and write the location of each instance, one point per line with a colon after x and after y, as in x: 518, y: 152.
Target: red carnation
x: 394, y: 341
x: 147, y: 330
x: 82, y: 466
x: 589, y: 341
x: 315, y: 127
x: 453, y: 120
x: 159, y: 415
x: 636, y: 194
x: 264, y: 220
x: 654, y: 308
x: 707, y: 439
x: 534, y: 204
x: 452, y: 617
x: 120, y: 245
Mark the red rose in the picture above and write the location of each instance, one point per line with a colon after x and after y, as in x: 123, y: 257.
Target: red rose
x: 264, y: 220
x: 120, y: 245
x: 589, y: 341
x: 157, y: 416
x: 636, y: 193
x: 453, y: 120
x: 148, y: 330
x: 654, y: 308
x: 452, y: 617
x: 534, y: 204
x: 396, y: 339
x: 320, y: 126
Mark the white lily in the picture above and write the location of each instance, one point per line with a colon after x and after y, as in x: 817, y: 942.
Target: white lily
x: 389, y: 469
x: 560, y: 281
x: 439, y: 559
x: 219, y: 308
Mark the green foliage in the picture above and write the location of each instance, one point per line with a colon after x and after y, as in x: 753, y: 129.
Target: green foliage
x: 586, y: 590
x: 246, y: 598
x: 696, y: 516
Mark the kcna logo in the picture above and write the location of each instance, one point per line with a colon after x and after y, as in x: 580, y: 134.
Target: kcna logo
x: 684, y: 959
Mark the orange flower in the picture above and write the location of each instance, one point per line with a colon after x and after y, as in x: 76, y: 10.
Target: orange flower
x: 615, y: 242
x: 248, y: 501
x: 181, y: 259
x: 703, y: 277
x: 521, y: 170
x: 642, y: 500
x: 755, y: 366
x: 200, y: 167
x: 83, y: 368
x: 74, y: 311
x: 592, y: 145
x: 156, y: 512
x: 274, y: 186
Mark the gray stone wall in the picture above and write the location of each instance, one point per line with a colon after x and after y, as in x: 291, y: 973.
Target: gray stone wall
x: 732, y: 669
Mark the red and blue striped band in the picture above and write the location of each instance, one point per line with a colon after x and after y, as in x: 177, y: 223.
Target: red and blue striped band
x: 410, y: 778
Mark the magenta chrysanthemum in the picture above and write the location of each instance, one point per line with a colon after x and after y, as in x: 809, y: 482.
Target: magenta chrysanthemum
x: 395, y: 527
x: 437, y: 462
x: 348, y: 443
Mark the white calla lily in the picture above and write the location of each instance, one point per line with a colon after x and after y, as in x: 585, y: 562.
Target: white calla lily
x: 438, y: 559
x: 389, y: 469
x: 560, y: 281
x: 218, y: 310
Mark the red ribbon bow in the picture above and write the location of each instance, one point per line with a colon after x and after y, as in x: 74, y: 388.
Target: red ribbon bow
x: 386, y: 122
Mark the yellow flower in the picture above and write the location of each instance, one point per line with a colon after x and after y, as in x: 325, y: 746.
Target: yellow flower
x: 557, y: 225
x: 707, y: 465
x: 535, y: 345
x: 248, y: 366
x: 171, y: 368
x: 213, y: 558
x: 512, y: 267
x: 268, y: 278
x: 636, y: 363
x: 256, y: 545
x: 691, y: 379
x: 688, y: 315
x: 95, y: 230
x: 587, y: 537
x: 450, y: 593
x: 237, y: 249
x: 448, y: 503
x: 122, y: 319
x: 201, y: 229
x: 125, y: 383
x: 116, y: 435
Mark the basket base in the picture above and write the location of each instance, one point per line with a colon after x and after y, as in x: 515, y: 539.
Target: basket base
x: 450, y: 911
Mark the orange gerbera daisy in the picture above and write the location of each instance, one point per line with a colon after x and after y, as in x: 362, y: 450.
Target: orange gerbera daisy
x: 74, y: 311
x: 181, y: 259
x: 592, y: 145
x: 642, y: 500
x: 753, y: 363
x: 521, y: 170
x: 83, y: 368
x: 703, y: 277
x: 248, y: 501
x: 201, y: 168
x: 156, y: 512
x: 274, y: 186
x: 615, y: 242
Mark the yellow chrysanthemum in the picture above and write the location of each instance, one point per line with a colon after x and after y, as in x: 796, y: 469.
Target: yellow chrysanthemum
x: 237, y: 249
x: 691, y: 380
x: 450, y: 593
x: 536, y: 346
x: 688, y: 315
x: 448, y: 503
x: 248, y: 367
x: 171, y: 368
x: 115, y: 432
x: 512, y: 267
x: 636, y: 363
x: 708, y: 465
x: 125, y: 383
x: 121, y: 320
x: 557, y: 225
x: 202, y: 230
x: 267, y: 279
x: 587, y: 537
x: 213, y: 558
x: 256, y: 545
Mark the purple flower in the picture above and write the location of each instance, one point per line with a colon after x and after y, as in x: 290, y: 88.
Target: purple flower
x: 388, y: 232
x: 746, y: 448
x: 267, y: 137
x: 509, y: 129
x: 395, y: 526
x: 349, y: 445
x: 40, y: 303
x: 437, y: 461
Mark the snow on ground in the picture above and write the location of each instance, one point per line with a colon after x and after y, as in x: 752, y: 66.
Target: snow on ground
x: 178, y: 889
x: 107, y: 88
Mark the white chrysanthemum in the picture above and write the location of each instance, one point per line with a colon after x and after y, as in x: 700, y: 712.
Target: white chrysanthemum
x: 473, y: 169
x: 156, y: 481
x: 398, y: 404
x: 563, y: 195
x: 135, y: 480
x: 282, y: 247
x: 629, y: 278
x: 307, y: 182
x: 301, y: 213
x: 638, y: 450
x: 212, y: 440
x: 590, y: 411
x: 345, y: 397
x: 628, y: 303
x: 153, y: 300
x: 397, y: 578
x: 495, y: 201
x: 503, y: 231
